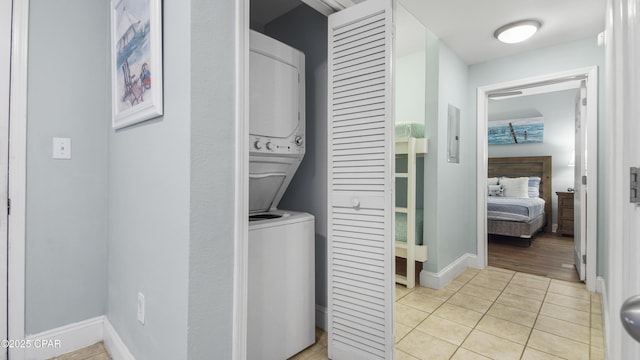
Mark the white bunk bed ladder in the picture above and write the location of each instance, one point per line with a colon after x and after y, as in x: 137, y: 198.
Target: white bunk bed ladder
x: 410, y: 210
x: 413, y: 148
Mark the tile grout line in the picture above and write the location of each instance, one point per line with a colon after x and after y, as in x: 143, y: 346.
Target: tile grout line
x: 546, y: 291
x: 493, y: 302
x: 484, y: 314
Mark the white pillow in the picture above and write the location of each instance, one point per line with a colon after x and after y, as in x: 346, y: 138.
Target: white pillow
x: 515, y: 187
x: 492, y: 181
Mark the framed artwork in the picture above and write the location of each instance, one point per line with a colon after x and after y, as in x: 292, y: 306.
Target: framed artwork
x: 516, y: 131
x: 136, y: 61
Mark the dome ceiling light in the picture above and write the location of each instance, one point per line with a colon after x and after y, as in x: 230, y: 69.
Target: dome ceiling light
x: 516, y: 32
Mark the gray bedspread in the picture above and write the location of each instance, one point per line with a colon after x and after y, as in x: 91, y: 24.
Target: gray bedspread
x: 514, y: 209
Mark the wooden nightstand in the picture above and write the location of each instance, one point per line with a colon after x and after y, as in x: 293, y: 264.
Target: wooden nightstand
x: 565, y: 213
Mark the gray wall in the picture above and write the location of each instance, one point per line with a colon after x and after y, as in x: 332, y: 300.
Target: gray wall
x: 447, y: 185
x: 455, y: 180
x: 545, y: 61
x: 431, y: 159
x: 68, y: 96
x: 306, y: 30
x: 149, y: 191
x: 213, y: 183
x: 171, y: 210
x: 558, y: 110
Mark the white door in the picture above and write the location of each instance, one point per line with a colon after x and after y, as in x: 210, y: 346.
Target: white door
x: 360, y: 168
x: 5, y: 69
x: 580, y: 195
x: 622, y: 273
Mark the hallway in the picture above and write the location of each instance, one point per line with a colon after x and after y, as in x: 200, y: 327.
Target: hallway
x: 494, y: 314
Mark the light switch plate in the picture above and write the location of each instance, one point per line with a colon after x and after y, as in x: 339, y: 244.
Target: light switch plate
x: 61, y: 148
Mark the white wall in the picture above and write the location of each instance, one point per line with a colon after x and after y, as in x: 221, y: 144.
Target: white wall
x: 410, y: 87
x: 558, y: 111
x: 410, y: 67
x: 66, y: 219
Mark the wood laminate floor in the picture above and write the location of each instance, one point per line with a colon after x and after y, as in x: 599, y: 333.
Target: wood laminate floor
x: 549, y: 255
x: 93, y: 352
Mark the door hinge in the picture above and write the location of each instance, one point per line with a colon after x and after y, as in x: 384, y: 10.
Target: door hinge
x: 584, y: 179
x: 634, y: 185
x: 8, y: 206
x: 584, y: 259
x: 584, y: 101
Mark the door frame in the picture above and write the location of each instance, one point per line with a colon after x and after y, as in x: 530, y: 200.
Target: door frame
x: 5, y: 84
x: 241, y: 195
x: 592, y: 161
x: 17, y: 175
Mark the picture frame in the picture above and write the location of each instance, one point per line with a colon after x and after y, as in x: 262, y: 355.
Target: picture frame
x: 136, y: 61
x: 516, y: 131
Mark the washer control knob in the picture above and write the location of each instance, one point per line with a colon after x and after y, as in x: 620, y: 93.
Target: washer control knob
x: 257, y: 144
x: 269, y: 145
x: 299, y: 140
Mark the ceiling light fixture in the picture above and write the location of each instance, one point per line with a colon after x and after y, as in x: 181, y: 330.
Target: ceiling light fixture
x: 516, y: 32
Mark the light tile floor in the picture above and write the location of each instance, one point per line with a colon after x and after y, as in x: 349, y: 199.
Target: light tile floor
x: 493, y: 314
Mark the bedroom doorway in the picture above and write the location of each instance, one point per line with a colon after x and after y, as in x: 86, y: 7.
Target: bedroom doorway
x: 585, y: 243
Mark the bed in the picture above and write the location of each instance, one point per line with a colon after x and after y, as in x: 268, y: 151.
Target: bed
x: 519, y: 217
x: 410, y: 145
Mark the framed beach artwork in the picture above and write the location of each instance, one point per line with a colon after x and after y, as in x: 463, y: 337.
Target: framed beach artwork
x: 136, y: 61
x: 516, y: 131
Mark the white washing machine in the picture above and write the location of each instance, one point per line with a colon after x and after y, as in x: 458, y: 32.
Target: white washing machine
x: 281, y: 289
x: 281, y: 304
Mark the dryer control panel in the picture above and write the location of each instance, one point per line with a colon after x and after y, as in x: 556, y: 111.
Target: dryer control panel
x: 265, y: 145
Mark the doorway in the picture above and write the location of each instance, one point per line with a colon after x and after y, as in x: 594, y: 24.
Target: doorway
x: 589, y: 208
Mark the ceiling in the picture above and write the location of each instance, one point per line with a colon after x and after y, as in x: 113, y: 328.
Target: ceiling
x: 264, y: 11
x: 467, y: 26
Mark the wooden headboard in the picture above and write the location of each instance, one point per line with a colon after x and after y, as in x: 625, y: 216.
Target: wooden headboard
x: 527, y: 166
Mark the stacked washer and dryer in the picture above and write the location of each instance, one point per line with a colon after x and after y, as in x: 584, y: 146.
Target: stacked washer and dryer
x: 281, y: 299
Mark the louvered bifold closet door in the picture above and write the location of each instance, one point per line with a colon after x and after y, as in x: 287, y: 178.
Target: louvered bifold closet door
x: 360, y: 165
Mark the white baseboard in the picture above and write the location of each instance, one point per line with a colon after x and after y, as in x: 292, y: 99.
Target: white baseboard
x: 72, y: 337
x: 64, y: 339
x: 322, y: 317
x: 443, y: 277
x: 601, y: 288
x: 114, y: 344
